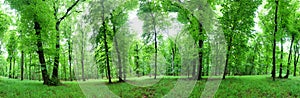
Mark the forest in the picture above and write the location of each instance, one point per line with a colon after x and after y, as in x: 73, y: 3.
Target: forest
x: 149, y: 48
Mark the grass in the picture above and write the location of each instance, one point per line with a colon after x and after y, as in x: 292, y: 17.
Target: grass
x: 12, y: 88
x: 237, y: 86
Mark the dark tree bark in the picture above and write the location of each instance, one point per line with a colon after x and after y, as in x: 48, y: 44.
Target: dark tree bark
x: 200, y: 59
x: 155, y: 57
x: 40, y: 52
x: 57, y: 46
x: 200, y: 53
x: 106, y: 53
x: 104, y: 24
x: 274, y: 42
x: 289, y: 58
x: 22, y: 65
x: 56, y: 57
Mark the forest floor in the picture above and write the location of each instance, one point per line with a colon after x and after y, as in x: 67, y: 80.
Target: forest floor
x: 233, y: 86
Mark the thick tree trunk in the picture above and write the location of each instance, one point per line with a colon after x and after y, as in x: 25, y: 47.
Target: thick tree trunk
x: 40, y: 52
x: 290, y: 58
x: 22, y: 65
x: 274, y: 42
x: 56, y: 58
x: 200, y: 54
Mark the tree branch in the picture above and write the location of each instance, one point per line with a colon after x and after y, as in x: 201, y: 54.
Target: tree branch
x: 68, y: 11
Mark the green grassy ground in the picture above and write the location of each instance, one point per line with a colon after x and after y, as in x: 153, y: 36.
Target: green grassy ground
x: 238, y: 86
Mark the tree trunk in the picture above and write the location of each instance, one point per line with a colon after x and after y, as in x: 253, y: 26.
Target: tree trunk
x: 207, y: 65
x: 137, y: 60
x: 56, y: 58
x: 227, y: 57
x: 10, y: 67
x: 119, y: 61
x: 22, y: 65
x: 296, y: 57
x: 30, y: 65
x: 274, y: 42
x: 290, y: 58
x: 155, y: 61
x: 70, y: 58
x: 65, y: 69
x: 106, y: 53
x: 40, y: 52
x: 13, y: 68
x: 200, y: 59
x: 281, y: 58
x: 173, y: 57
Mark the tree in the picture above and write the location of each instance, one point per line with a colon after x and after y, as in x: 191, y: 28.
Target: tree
x: 12, y: 52
x: 291, y: 28
x: 101, y: 31
x: 237, y: 22
x: 296, y: 57
x: 154, y: 22
x: 42, y: 23
x: 118, y: 17
x: 57, y: 27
